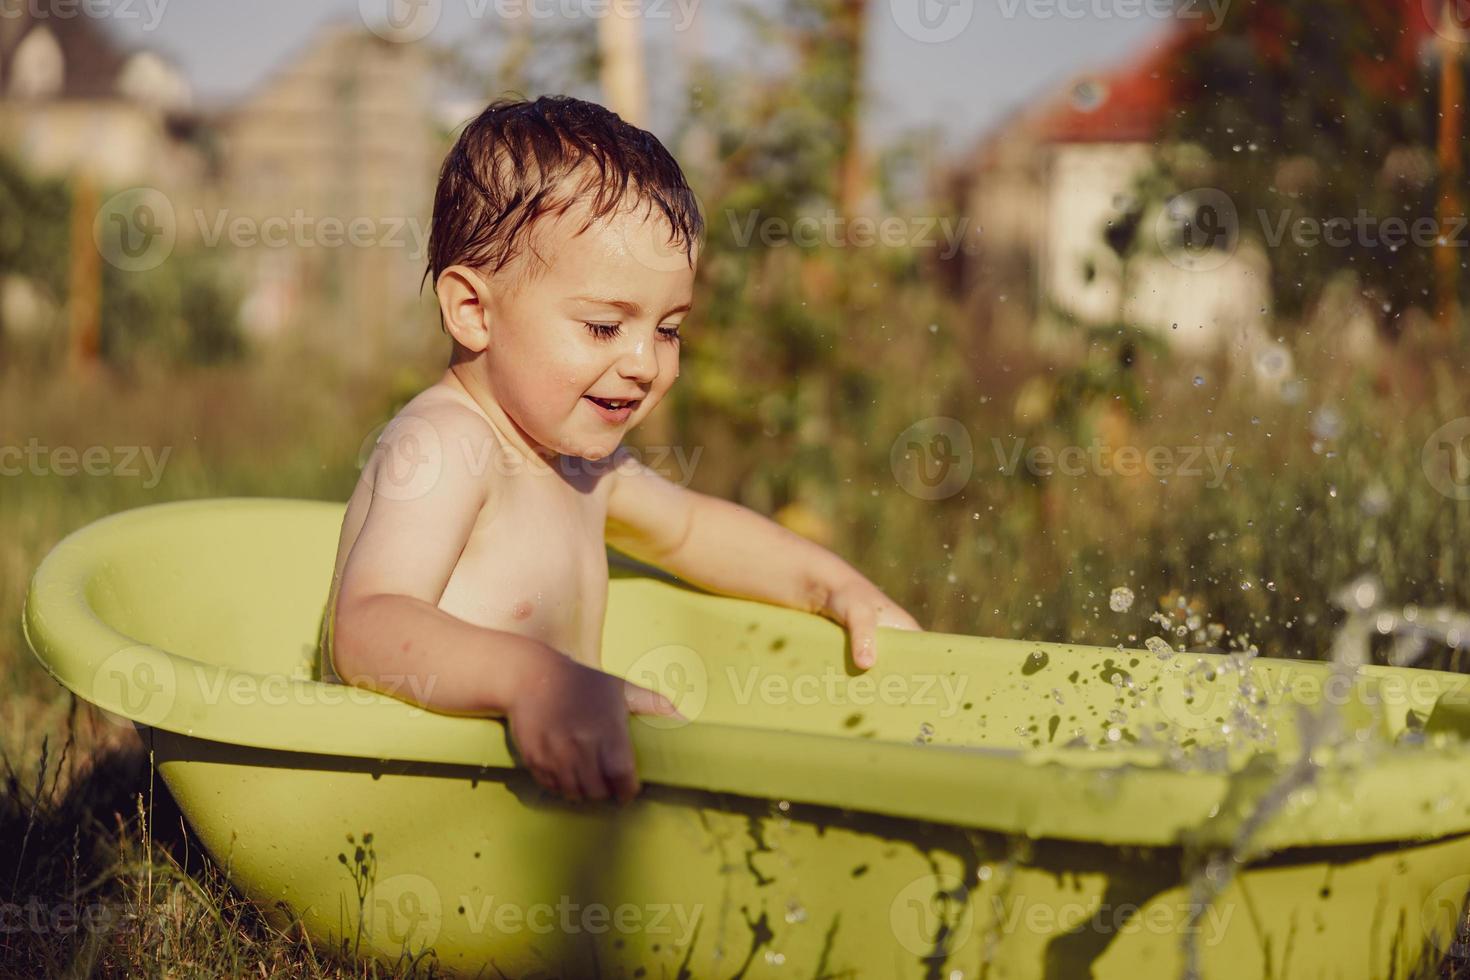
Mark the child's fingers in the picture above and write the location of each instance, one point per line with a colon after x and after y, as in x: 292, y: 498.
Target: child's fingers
x: 547, y: 779
x: 619, y: 770
x: 643, y: 701
x: 565, y: 774
x: 590, y: 782
x: 862, y: 623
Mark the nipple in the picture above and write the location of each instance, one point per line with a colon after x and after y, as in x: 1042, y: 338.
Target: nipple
x: 521, y: 610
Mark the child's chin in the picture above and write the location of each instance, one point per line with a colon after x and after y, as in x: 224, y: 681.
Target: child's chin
x: 597, y: 451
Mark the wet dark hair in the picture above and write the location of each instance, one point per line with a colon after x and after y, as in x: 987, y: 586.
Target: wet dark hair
x: 511, y: 166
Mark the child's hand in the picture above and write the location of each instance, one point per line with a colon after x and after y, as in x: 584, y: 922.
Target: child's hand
x: 861, y: 607
x: 570, y: 724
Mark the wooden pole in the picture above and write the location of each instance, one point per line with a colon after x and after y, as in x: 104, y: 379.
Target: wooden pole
x: 1451, y: 204
x: 852, y: 179
x: 84, y: 289
x: 620, y: 41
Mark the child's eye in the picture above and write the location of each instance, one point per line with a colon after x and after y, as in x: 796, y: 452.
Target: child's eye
x: 607, y: 331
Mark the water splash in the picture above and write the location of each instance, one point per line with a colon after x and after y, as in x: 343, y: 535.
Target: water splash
x: 1326, y: 741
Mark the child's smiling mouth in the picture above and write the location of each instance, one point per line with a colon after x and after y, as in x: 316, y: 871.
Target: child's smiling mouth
x: 612, y: 409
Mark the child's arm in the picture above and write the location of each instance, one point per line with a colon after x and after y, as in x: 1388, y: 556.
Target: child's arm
x: 568, y: 721
x: 723, y: 547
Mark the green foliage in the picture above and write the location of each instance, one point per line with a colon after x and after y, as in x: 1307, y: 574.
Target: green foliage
x: 184, y: 311
x: 33, y: 227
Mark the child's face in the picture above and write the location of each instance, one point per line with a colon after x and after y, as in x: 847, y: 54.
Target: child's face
x: 544, y: 364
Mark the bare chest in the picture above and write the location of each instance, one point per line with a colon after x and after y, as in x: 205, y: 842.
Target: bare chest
x: 536, y: 564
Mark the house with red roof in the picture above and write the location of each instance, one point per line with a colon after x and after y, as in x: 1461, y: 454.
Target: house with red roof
x: 1045, y: 187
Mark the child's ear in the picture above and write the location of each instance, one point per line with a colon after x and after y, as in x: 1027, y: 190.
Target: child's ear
x: 464, y: 306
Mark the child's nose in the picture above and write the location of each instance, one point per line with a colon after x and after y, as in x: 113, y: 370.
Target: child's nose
x: 638, y: 360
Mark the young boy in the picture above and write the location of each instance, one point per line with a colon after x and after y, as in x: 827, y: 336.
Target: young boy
x: 472, y: 559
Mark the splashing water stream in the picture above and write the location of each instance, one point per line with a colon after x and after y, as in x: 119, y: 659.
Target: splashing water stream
x: 1325, y: 740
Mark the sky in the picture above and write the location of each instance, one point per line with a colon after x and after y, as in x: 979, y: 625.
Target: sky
x: 962, y: 65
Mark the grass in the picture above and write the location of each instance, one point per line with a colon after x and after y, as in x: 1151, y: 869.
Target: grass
x: 1320, y: 490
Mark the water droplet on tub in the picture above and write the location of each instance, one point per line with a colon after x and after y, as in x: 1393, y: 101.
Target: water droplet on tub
x: 794, y: 911
x: 1159, y: 646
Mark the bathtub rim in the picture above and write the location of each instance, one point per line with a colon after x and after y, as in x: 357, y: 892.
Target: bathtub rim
x: 1130, y: 801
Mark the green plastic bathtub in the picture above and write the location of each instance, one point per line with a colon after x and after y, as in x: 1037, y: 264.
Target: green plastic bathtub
x: 968, y: 808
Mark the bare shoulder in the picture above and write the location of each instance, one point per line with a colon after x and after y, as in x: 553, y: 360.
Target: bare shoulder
x: 434, y: 438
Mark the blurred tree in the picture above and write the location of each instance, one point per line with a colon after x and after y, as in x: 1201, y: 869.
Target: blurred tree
x: 1449, y: 144
x: 33, y: 232
x: 799, y: 319
x: 1320, y: 109
x: 184, y: 311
